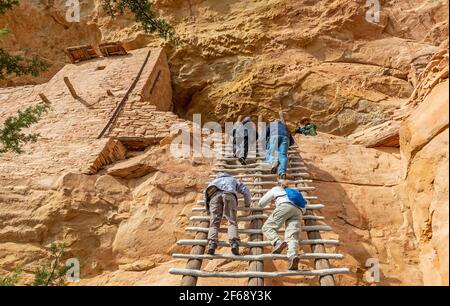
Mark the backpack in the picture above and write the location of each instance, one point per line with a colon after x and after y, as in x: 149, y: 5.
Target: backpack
x: 295, y: 197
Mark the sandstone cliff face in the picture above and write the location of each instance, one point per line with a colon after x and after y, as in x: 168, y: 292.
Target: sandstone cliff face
x: 312, y: 58
x: 386, y: 186
x: 424, y: 146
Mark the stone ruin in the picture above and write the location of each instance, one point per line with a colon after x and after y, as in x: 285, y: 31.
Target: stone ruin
x: 69, y: 132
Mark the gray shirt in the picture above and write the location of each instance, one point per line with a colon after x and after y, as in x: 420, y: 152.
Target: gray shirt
x: 227, y: 183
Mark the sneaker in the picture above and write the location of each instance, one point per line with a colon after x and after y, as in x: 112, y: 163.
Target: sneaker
x: 212, y: 246
x: 282, y: 176
x: 279, y: 246
x: 235, y: 248
x: 242, y: 161
x: 293, y: 263
x: 275, y: 167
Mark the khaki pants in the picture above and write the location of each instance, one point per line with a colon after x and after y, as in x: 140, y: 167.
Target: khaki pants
x: 284, y: 214
x: 223, y: 204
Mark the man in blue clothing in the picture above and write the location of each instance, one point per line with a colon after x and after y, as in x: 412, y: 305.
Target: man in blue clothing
x: 278, y: 139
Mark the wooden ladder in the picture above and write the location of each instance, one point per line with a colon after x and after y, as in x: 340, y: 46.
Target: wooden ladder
x: 259, y: 180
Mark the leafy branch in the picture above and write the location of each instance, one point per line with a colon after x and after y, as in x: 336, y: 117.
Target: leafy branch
x: 11, y: 136
x: 52, y: 272
x: 142, y: 10
x: 16, y: 64
x: 12, y: 278
x: 7, y: 5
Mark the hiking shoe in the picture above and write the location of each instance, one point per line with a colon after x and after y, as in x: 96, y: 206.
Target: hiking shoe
x: 242, y: 161
x: 235, y: 248
x: 293, y: 263
x: 275, y: 167
x: 279, y: 246
x: 282, y: 176
x: 212, y: 246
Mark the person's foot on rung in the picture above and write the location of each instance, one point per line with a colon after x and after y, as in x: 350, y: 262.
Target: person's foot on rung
x: 279, y: 246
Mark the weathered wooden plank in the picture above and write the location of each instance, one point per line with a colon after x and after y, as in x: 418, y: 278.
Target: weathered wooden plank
x: 256, y: 243
x: 274, y: 176
x: 258, y: 257
x: 240, y: 208
x: 253, y: 165
x: 305, y: 188
x: 249, y: 157
x: 256, y: 199
x: 258, y: 230
x: 273, y: 183
x: 253, y: 217
x: 245, y: 170
x: 198, y: 273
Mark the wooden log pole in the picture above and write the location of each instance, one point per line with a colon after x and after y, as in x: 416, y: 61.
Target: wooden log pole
x: 258, y: 257
x: 254, y: 274
x: 256, y: 265
x: 251, y: 244
x: 322, y: 263
x: 195, y: 263
x: 44, y: 98
x: 70, y: 87
x: 309, y: 206
x: 259, y: 231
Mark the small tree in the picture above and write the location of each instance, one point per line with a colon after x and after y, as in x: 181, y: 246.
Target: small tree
x: 7, y: 5
x: 53, y: 271
x: 16, y: 64
x: 142, y: 10
x: 12, y: 278
x: 11, y: 136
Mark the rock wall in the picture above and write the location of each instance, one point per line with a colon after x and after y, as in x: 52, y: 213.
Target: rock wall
x: 386, y: 187
x: 312, y: 58
x: 424, y: 146
x: 367, y: 207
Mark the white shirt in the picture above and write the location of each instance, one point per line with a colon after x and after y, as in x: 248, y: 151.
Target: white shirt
x: 276, y: 193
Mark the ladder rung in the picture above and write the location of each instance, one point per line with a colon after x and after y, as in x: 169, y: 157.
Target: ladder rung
x: 255, y: 199
x: 259, y: 257
x: 198, y: 273
x: 275, y: 183
x: 255, y: 175
x: 240, y: 208
x: 257, y: 169
x: 304, y: 188
x: 251, y: 244
x: 255, y: 165
x: 249, y: 157
x: 306, y: 228
x: 253, y: 217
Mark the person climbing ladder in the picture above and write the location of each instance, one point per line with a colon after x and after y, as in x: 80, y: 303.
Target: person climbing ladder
x: 308, y: 129
x: 245, y: 136
x: 278, y: 139
x: 289, y: 204
x: 221, y: 200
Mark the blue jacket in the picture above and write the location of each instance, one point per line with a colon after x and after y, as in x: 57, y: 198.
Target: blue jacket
x: 280, y: 129
x: 227, y: 183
